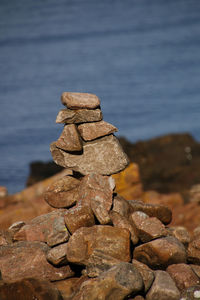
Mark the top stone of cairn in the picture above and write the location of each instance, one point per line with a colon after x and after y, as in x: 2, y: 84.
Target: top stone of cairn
x: 80, y: 100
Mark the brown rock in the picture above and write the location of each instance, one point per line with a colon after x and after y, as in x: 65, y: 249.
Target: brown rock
x: 116, y: 283
x: 181, y: 233
x: 80, y: 100
x: 49, y: 228
x: 196, y: 269
x: 15, y: 227
x: 161, y: 212
x: 121, y: 222
x: 121, y: 206
x: 69, y: 139
x: 57, y: 255
x: 163, y: 288
x: 79, y: 216
x: 195, y: 193
x: 183, y: 276
x: 138, y: 297
x: 92, y: 131
x: 69, y: 116
x: 3, y: 191
x: 161, y: 252
x: 110, y: 240
x: 194, y: 251
x: 28, y: 259
x: 105, y: 156
x: 5, y: 237
x: 29, y: 289
x: 146, y: 273
x: 191, y: 293
x: 63, y: 193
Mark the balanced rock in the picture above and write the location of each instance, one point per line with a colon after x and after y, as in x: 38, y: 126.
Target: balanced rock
x: 80, y: 100
x: 92, y: 131
x: 68, y: 116
x: 69, y: 139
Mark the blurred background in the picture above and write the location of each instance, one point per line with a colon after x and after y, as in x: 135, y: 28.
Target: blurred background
x: 140, y: 57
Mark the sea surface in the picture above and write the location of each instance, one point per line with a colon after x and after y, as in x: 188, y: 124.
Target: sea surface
x: 141, y: 57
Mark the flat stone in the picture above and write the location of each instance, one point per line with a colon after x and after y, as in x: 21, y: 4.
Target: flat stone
x: 92, y: 131
x: 79, y: 216
x: 69, y: 139
x: 28, y: 259
x: 194, y: 251
x: 163, y: 288
x: 49, y: 228
x: 122, y: 222
x: 161, y: 212
x: 57, y: 255
x: 161, y: 252
x: 63, y: 193
x: 146, y: 273
x: 80, y: 100
x: 181, y: 233
x: 68, y: 116
x: 112, y: 241
x: 29, y: 289
x: 103, y: 156
x: 183, y: 276
x: 191, y: 293
x: 116, y: 283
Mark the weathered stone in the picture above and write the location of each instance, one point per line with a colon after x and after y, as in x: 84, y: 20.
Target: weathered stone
x: 163, y: 288
x: 121, y: 206
x: 196, y: 269
x: 92, y: 131
x: 79, y: 116
x: 146, y: 273
x: 63, y: 193
x: 110, y: 240
x: 57, y: 255
x: 116, y: 283
x: 97, y: 192
x: 79, y: 216
x: 28, y: 259
x: 5, y: 237
x: 181, y: 233
x: 15, y: 227
x: 121, y: 222
x: 183, y: 276
x: 80, y: 100
x: 49, y: 228
x: 161, y: 212
x: 148, y: 228
x: 194, y: 251
x: 69, y: 139
x: 104, y: 156
x: 191, y: 293
x: 29, y: 289
x: 99, y: 262
x: 161, y: 252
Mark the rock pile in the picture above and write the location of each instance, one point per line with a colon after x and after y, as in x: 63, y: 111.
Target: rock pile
x: 95, y: 244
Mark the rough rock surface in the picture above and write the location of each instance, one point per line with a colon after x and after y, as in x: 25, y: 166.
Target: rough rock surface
x: 69, y: 116
x: 69, y: 139
x: 57, y: 255
x: 194, y: 251
x: 92, y: 131
x: 146, y: 273
x: 80, y: 100
x: 104, y: 156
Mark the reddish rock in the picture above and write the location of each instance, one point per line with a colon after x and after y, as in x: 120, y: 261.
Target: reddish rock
x: 163, y: 288
x: 57, y: 255
x: 161, y: 252
x: 194, y: 251
x: 161, y: 212
x: 92, y: 131
x: 80, y: 100
x: 63, y: 193
x: 181, y: 233
x: 69, y: 139
x: 79, y: 216
x: 28, y: 259
x: 78, y: 116
x: 49, y: 228
x: 112, y: 241
x: 121, y: 206
x: 29, y: 289
x: 121, y: 222
x: 116, y: 283
x: 183, y: 276
x: 146, y: 273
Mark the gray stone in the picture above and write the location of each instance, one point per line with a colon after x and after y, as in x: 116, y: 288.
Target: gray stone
x: 80, y: 100
x: 69, y: 139
x: 103, y: 156
x: 91, y: 131
x: 78, y: 116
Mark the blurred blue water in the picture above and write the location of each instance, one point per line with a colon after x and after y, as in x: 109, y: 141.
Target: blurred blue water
x: 141, y: 57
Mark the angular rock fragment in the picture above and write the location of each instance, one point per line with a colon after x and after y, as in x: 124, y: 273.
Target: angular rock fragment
x: 80, y: 100
x: 121, y: 206
x: 28, y: 259
x: 181, y: 233
x: 69, y: 139
x: 57, y: 255
x: 92, y: 131
x: 161, y: 252
x: 183, y: 276
x: 163, y: 288
x: 68, y: 116
x: 15, y: 227
x: 146, y: 273
x: 104, y: 156
x: 63, y: 192
x: 112, y: 241
x: 116, y: 283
